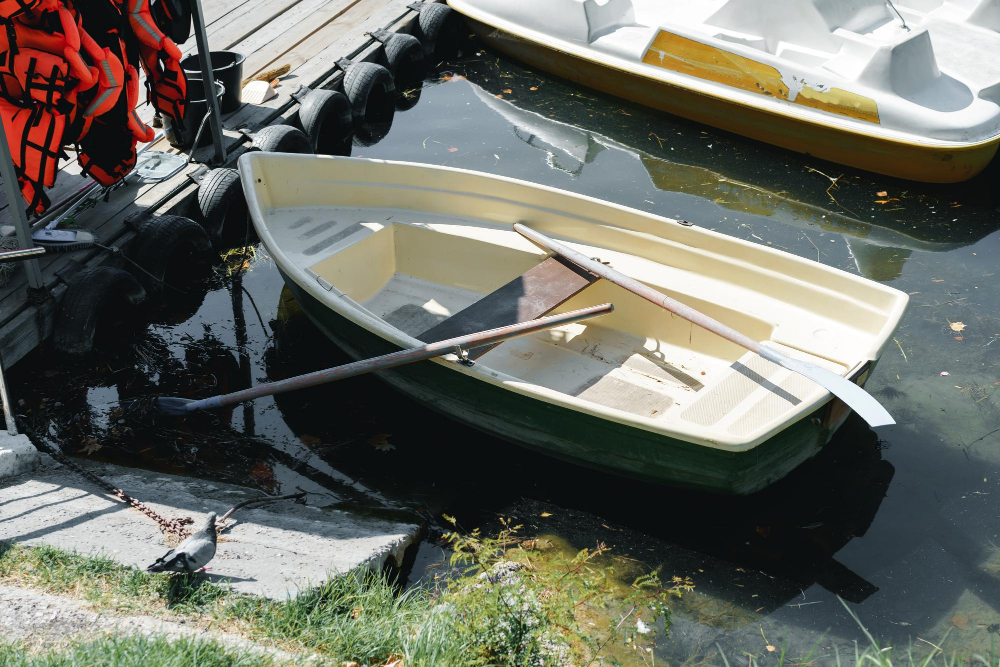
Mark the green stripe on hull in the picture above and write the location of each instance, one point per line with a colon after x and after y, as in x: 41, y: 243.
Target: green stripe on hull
x: 573, y: 436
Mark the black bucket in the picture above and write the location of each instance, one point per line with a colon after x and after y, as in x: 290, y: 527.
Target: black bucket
x: 197, y: 107
x: 227, y: 67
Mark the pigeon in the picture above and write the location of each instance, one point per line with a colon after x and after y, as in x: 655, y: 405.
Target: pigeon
x: 192, y: 554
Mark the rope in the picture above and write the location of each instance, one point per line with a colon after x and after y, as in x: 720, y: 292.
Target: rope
x: 115, y: 250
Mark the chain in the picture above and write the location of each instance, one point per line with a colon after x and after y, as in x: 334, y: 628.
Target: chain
x: 173, y: 526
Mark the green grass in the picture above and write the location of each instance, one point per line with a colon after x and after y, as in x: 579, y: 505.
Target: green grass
x: 136, y: 651
x: 360, y: 617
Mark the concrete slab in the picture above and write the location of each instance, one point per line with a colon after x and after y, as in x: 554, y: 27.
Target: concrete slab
x: 17, y: 455
x: 273, y: 551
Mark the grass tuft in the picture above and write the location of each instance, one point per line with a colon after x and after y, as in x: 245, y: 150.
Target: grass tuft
x: 135, y: 651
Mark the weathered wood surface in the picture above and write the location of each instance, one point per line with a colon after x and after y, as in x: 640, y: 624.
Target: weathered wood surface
x: 534, y: 293
x: 308, y: 35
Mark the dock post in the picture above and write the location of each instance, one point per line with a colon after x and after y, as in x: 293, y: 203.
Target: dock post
x: 205, y: 58
x: 15, y: 204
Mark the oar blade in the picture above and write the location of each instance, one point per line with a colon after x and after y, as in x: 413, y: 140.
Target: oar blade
x: 172, y: 405
x: 854, y: 396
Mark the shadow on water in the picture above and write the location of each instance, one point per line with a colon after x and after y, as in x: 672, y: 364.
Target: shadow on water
x: 899, y: 524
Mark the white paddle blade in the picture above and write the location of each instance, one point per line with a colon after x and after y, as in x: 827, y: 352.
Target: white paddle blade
x: 856, y: 398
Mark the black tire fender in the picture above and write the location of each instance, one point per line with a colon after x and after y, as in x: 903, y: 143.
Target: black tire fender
x: 402, y: 55
x: 362, y: 82
x: 281, y: 139
x: 326, y: 118
x: 88, y: 296
x: 170, y: 250
x: 436, y: 22
x: 222, y: 204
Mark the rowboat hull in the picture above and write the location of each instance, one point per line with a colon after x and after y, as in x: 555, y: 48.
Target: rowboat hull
x: 950, y: 163
x: 578, y: 438
x: 386, y: 255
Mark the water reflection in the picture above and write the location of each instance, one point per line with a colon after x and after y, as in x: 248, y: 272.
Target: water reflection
x: 879, y: 250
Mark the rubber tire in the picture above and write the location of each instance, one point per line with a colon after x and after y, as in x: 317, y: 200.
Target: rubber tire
x: 157, y: 244
x: 362, y: 80
x: 403, y: 54
x: 281, y: 139
x: 222, y: 204
x: 326, y: 118
x: 436, y: 20
x: 89, y: 294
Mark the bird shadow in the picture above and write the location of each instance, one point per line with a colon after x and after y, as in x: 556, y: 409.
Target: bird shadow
x: 197, y: 589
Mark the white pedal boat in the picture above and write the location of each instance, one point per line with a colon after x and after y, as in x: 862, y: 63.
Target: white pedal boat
x: 910, y: 90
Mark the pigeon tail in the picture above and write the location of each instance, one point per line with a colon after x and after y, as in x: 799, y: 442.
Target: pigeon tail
x: 169, y: 562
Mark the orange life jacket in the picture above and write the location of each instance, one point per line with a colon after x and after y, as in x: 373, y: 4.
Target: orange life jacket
x: 63, y: 84
x: 35, y: 136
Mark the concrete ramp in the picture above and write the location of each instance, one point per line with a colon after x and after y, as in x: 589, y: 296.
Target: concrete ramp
x: 275, y: 550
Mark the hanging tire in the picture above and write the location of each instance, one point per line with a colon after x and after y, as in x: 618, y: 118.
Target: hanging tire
x: 402, y: 55
x: 436, y: 24
x: 367, y: 86
x: 171, y: 250
x: 281, y: 139
x: 222, y: 205
x: 89, y: 304
x: 326, y: 118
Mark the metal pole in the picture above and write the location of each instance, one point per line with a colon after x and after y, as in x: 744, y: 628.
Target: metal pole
x: 205, y: 58
x: 8, y: 413
x: 15, y: 204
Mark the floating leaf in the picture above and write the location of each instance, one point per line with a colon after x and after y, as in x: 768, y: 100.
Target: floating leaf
x: 310, y: 440
x: 380, y: 441
x: 452, y: 150
x: 956, y: 326
x: 507, y: 91
x: 882, y: 194
x: 90, y: 445
x: 545, y: 514
x: 771, y: 648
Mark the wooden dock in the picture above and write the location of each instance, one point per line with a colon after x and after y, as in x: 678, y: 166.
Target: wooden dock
x: 309, y: 36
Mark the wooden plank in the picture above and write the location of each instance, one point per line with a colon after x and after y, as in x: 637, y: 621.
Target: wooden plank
x: 350, y: 27
x: 239, y: 25
x: 272, y: 42
x: 532, y: 294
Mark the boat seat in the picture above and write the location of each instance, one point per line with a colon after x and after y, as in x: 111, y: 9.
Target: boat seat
x: 531, y: 295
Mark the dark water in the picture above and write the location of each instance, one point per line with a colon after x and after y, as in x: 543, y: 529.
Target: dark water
x: 901, y: 525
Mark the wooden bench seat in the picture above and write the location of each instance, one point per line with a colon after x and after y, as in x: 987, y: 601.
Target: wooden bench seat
x: 531, y: 295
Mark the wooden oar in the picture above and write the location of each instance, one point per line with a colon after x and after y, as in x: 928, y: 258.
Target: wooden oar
x: 182, y: 406
x: 854, y: 396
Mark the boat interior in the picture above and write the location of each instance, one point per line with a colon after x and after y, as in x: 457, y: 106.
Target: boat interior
x: 939, y: 54
x: 414, y: 270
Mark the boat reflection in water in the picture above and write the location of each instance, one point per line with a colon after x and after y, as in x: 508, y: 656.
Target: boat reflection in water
x: 879, y: 249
